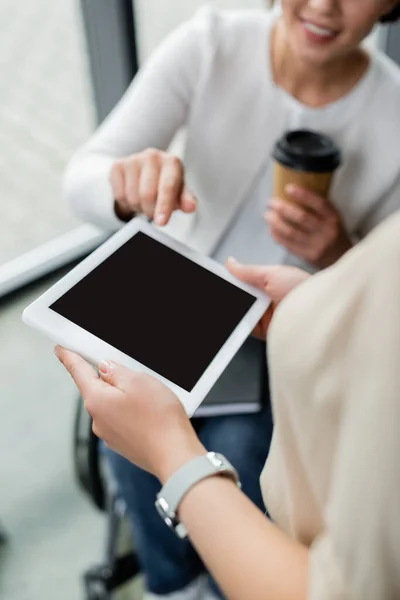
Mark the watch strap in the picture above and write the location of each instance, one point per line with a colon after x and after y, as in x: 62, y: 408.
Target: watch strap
x: 170, y: 496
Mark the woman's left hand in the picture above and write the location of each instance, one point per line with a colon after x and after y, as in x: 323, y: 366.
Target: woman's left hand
x: 135, y: 414
x: 310, y: 227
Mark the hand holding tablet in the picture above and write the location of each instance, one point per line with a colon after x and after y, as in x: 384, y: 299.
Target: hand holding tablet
x: 147, y: 302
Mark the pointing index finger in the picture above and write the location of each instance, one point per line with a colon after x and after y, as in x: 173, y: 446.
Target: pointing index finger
x: 169, y: 190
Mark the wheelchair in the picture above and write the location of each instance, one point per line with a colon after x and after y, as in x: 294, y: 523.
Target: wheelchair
x: 120, y: 564
x: 3, y: 536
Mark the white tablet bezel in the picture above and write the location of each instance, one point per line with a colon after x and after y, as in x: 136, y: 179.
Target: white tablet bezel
x: 40, y: 316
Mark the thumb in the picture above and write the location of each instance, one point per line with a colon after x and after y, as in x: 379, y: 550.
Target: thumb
x: 116, y: 375
x: 256, y: 275
x: 82, y: 373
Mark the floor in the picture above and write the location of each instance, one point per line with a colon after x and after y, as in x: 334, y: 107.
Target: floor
x: 54, y: 533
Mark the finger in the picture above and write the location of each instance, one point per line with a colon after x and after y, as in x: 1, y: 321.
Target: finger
x: 296, y: 215
x: 295, y: 248
x: 117, y: 375
x: 319, y: 205
x: 258, y: 331
x: 256, y: 275
x: 286, y: 231
x: 117, y: 181
x: 148, y: 185
x: 169, y: 190
x: 83, y: 374
x: 187, y: 202
x: 132, y: 180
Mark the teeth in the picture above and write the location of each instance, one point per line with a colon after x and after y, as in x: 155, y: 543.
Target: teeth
x: 319, y: 30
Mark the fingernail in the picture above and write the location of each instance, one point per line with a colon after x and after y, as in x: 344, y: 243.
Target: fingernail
x: 106, y: 366
x: 160, y: 219
x: 189, y: 202
x: 233, y: 260
x: 57, y: 351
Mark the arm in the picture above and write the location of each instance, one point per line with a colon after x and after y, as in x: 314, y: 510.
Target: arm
x: 248, y: 555
x: 358, y: 553
x: 153, y: 109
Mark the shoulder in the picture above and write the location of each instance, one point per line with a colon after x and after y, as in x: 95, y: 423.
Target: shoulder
x: 388, y: 70
x: 229, y: 30
x: 383, y: 111
x: 222, y: 21
x: 378, y: 122
x: 210, y: 44
x: 387, y: 82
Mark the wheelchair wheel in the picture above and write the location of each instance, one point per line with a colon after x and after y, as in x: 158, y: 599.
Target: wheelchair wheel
x: 86, y: 457
x: 3, y: 536
x: 96, y: 587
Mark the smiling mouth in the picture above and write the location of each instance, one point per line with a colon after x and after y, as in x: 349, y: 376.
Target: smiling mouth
x: 322, y: 32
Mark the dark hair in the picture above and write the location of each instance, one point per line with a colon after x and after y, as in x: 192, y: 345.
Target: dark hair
x: 392, y: 16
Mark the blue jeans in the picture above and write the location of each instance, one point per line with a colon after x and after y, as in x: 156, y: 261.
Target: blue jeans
x: 168, y: 563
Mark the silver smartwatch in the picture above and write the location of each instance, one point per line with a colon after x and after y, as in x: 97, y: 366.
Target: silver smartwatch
x: 170, y: 496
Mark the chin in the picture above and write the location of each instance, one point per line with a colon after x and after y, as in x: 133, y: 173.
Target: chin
x: 313, y: 53
x: 316, y: 52
x: 316, y: 58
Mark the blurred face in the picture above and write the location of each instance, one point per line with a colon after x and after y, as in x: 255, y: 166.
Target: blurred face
x: 320, y: 31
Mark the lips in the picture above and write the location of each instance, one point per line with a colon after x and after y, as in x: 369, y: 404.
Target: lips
x: 318, y: 31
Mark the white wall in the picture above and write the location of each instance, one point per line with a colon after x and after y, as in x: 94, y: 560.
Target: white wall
x: 157, y: 17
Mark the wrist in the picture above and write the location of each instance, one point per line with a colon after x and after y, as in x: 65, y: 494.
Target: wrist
x: 179, y: 455
x: 123, y: 213
x: 335, y: 253
x: 344, y: 246
x: 180, y: 485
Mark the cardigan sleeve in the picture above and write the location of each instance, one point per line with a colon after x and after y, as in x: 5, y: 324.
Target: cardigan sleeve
x: 155, y: 106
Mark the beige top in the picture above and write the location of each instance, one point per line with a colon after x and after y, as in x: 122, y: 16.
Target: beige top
x: 332, y: 479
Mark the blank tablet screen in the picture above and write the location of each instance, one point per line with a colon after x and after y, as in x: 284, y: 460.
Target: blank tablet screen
x: 158, y: 307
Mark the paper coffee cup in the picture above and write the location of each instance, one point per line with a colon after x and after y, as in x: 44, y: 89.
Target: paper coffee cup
x: 307, y: 159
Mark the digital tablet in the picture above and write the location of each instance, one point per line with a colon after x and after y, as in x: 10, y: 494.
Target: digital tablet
x: 150, y: 303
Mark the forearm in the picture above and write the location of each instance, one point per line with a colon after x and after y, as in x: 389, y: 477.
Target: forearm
x: 152, y: 110
x: 249, y: 556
